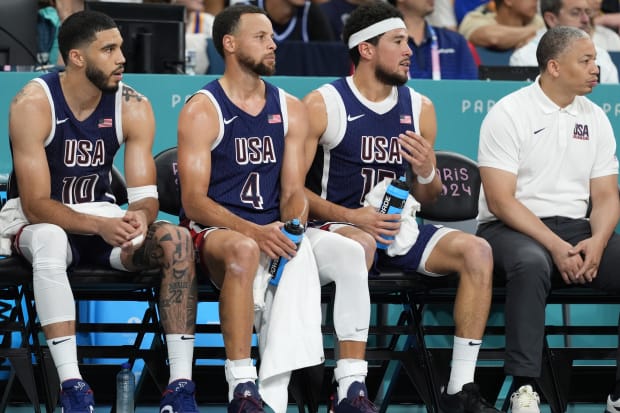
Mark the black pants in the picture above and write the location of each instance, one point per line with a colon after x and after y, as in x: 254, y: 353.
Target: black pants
x: 529, y: 271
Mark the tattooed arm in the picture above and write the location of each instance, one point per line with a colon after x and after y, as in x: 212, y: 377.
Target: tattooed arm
x: 139, y: 132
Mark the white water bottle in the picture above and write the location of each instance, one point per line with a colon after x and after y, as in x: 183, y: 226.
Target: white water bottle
x: 125, y: 386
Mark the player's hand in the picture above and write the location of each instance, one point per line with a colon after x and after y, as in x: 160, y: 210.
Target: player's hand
x: 418, y: 152
x: 376, y: 224
x: 137, y: 219
x: 116, y: 231
x: 569, y: 264
x: 272, y: 241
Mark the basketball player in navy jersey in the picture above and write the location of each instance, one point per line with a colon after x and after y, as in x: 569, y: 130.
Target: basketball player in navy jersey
x: 370, y: 126
x: 65, y: 129
x: 241, y: 168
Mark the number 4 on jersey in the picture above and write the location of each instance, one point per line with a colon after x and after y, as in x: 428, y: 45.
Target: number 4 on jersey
x: 250, y: 193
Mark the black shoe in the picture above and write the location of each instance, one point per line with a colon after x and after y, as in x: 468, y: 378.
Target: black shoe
x: 468, y: 400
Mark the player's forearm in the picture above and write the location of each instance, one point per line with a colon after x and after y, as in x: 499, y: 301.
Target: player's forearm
x: 294, y: 205
x: 324, y: 210
x: 50, y: 211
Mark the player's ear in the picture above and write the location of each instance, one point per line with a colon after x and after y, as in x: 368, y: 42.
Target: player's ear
x: 366, y: 50
x: 228, y: 43
x: 76, y: 57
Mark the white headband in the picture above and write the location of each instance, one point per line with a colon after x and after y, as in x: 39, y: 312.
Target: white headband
x: 375, y: 30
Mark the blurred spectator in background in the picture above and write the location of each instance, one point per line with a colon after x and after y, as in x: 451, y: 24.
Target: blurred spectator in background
x: 337, y: 12
x: 462, y: 7
x: 198, y: 26
x: 438, y: 53
x: 443, y: 15
x: 213, y: 7
x: 51, y: 15
x: 604, y: 27
x: 572, y: 13
x: 299, y: 20
x: 511, y: 25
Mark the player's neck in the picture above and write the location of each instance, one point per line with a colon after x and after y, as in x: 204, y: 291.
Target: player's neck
x: 245, y: 91
x: 80, y: 94
x: 371, y: 88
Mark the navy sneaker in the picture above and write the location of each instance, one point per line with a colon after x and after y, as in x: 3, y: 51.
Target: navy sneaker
x: 468, y: 400
x: 246, y: 399
x: 76, y: 397
x: 357, y: 400
x: 179, y: 397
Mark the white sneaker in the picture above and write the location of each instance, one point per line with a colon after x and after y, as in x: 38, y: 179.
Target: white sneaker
x: 612, y: 406
x: 525, y: 400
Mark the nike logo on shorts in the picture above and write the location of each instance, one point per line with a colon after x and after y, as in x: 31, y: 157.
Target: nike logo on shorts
x: 539, y: 130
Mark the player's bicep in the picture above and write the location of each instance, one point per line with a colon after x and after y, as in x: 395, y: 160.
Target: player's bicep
x: 198, y: 128
x: 139, y: 130
x: 428, y: 121
x: 29, y: 127
x: 294, y: 167
x: 315, y: 108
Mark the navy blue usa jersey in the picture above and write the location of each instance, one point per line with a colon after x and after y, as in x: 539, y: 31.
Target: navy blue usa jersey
x: 80, y: 153
x: 246, y: 157
x: 360, y: 145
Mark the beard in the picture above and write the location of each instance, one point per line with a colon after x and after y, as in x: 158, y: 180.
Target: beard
x: 392, y: 79
x: 100, y: 80
x: 259, y: 68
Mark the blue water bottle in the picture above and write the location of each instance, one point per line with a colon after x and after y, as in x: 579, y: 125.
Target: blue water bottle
x: 393, y: 202
x: 295, y: 232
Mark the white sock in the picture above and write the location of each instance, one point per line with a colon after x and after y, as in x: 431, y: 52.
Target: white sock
x: 464, y: 356
x: 64, y: 354
x: 180, y: 356
x: 237, y: 372
x: 347, y: 372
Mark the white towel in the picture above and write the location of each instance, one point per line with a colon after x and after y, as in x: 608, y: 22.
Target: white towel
x: 12, y: 218
x: 408, y: 234
x: 289, y: 327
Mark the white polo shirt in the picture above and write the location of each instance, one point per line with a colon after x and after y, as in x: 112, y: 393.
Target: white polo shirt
x: 553, y: 151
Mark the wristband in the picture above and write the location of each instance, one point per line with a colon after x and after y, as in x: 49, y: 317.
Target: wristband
x: 428, y: 179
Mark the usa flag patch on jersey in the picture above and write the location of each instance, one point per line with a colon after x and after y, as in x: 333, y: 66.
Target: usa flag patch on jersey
x: 105, y: 123
x: 274, y: 118
x: 405, y: 119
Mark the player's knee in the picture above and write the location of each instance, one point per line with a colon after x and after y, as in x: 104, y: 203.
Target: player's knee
x: 478, y: 259
x: 175, y: 241
x: 368, y: 243
x: 242, y: 259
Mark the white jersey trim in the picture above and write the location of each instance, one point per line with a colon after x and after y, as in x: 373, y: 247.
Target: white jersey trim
x: 118, y: 113
x: 220, y: 117
x: 50, y: 100
x: 284, y: 110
